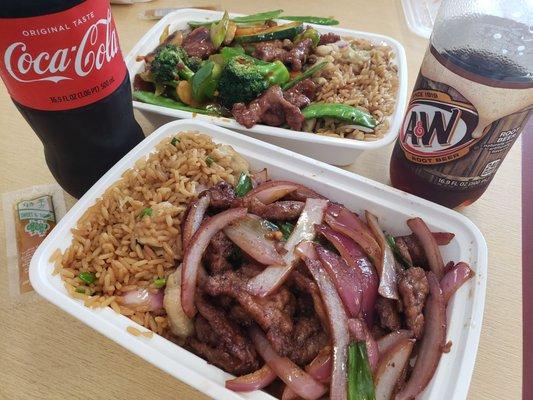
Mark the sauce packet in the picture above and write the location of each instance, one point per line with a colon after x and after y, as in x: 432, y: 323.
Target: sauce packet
x: 30, y: 215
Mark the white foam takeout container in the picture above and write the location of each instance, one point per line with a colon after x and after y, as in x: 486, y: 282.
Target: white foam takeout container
x: 332, y: 150
x: 393, y: 207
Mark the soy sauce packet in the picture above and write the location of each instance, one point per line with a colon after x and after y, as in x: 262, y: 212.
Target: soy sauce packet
x: 30, y: 215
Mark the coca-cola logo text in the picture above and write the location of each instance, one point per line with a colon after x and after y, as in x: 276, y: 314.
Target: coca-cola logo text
x: 99, y: 45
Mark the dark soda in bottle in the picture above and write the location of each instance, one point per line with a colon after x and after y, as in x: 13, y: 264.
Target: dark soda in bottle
x: 472, y: 99
x: 62, y: 65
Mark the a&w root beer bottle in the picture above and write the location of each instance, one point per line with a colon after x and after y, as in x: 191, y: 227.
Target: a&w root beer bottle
x: 472, y: 99
x: 62, y: 65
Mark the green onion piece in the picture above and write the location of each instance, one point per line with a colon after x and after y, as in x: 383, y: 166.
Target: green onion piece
x: 80, y: 290
x: 174, y: 141
x: 87, y: 277
x: 259, y: 17
x: 209, y: 161
x: 218, y: 30
x: 244, y: 185
x: 360, y: 383
x: 270, y: 225
x: 306, y: 74
x: 152, y: 98
x: 311, y: 20
x: 397, y: 253
x: 160, y: 282
x: 286, y: 228
x: 146, y: 212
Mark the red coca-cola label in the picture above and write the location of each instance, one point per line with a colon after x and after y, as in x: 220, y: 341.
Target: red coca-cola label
x: 64, y: 60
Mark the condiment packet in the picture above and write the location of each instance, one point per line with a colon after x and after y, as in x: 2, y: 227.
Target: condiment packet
x: 29, y: 214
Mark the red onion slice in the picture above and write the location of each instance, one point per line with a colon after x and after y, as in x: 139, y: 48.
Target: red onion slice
x: 429, y: 244
x: 432, y: 343
x: 272, y: 277
x: 347, y: 279
x: 193, y: 219
x: 271, y: 191
x: 360, y: 333
x: 344, y: 221
x: 354, y: 257
x: 143, y: 297
x: 390, y: 369
x: 194, y: 252
x: 294, y: 377
x: 388, y: 281
x: 257, y: 380
x: 387, y: 342
x: 454, y: 279
x: 338, y: 322
x: 443, y: 238
x: 250, y: 234
x: 319, y: 368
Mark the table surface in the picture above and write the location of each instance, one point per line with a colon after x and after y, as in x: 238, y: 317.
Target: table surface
x: 45, y: 353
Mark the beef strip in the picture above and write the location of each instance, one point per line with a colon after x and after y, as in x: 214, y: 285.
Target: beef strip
x: 418, y: 256
x: 277, y: 211
x: 328, y: 38
x: 219, y: 357
x: 413, y: 287
x: 389, y: 316
x: 298, y: 55
x: 198, y: 43
x: 307, y: 340
x: 231, y: 338
x: 270, y: 108
x: 218, y: 252
x: 204, y: 332
x: 301, y: 94
x: 273, y: 314
x: 222, y: 196
x: 293, y: 55
x: 307, y: 285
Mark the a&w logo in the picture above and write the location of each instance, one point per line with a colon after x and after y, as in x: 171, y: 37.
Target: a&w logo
x: 99, y: 45
x: 437, y: 129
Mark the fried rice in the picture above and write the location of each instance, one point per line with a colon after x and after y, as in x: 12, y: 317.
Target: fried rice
x: 125, y: 246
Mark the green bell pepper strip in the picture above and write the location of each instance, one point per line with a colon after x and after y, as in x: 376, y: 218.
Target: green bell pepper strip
x: 151, y: 98
x: 360, y: 383
x: 306, y: 74
x: 309, y: 33
x: 311, y: 20
x: 218, y: 30
x: 204, y: 82
x: 342, y: 112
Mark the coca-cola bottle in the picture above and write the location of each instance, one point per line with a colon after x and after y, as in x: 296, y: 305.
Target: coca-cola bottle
x: 62, y: 65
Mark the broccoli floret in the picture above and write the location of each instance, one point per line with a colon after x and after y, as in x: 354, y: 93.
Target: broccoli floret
x: 244, y: 78
x: 169, y: 64
x: 194, y: 63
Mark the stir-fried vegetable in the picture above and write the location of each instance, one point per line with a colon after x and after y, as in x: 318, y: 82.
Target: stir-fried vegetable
x: 169, y: 64
x: 306, y: 74
x: 152, y: 98
x: 286, y: 229
x: 205, y: 81
x: 340, y: 111
x: 397, y: 253
x: 258, y: 17
x: 244, y: 184
x: 87, y: 277
x: 160, y: 282
x: 218, y: 30
x: 244, y: 78
x: 311, y: 19
x: 360, y: 384
x: 175, y: 140
x: 309, y: 33
x: 257, y: 380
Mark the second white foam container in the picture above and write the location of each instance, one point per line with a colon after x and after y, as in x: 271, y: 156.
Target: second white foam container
x: 465, y: 311
x: 332, y: 150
